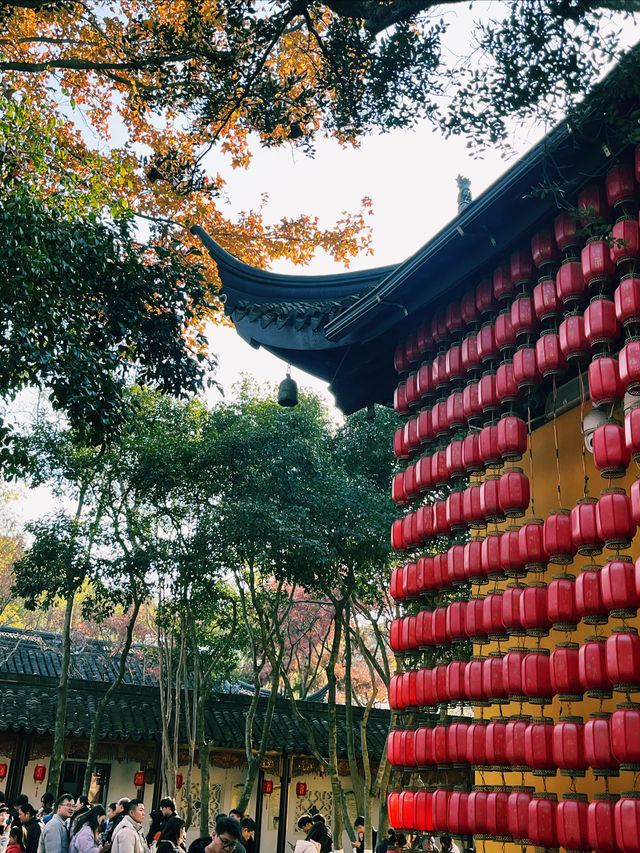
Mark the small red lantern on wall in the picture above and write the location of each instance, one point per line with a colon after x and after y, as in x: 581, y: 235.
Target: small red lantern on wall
x: 3, y: 771
x: 138, y: 779
x: 301, y: 789
x: 179, y: 781
x: 39, y: 773
x: 267, y: 786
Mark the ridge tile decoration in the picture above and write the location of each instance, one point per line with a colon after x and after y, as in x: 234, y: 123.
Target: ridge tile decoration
x: 516, y: 635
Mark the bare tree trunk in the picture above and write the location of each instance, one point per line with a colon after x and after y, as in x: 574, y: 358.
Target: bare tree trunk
x: 102, y: 704
x: 359, y: 788
x: 57, y: 751
x: 204, y: 750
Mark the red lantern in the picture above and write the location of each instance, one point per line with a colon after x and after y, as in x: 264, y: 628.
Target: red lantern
x: 518, y: 812
x: 407, y: 809
x: 497, y: 814
x: 469, y: 352
x: 614, y: 523
x: 453, y: 318
x: 572, y: 822
x: 514, y: 739
x: 549, y: 356
x: 624, y: 728
x: 513, y: 493
x: 525, y: 368
x: 533, y: 610
x: 600, y: 322
x: 531, y: 545
x: 538, y: 747
x: 455, y: 678
x: 453, y: 368
x: 557, y: 537
x: 589, y: 604
x: 511, y: 561
x: 477, y: 811
x: 597, y: 745
x: 485, y: 303
x: 542, y: 824
x: 627, y: 822
x: 523, y: 317
x: 565, y: 230
x: 440, y: 809
x: 455, y: 619
x: 40, y: 771
x: 490, y: 555
x: 179, y: 781
x: 536, y: 676
x: 593, y: 204
x: 489, y: 500
x: 511, y: 610
x: 489, y: 452
x: 584, y: 528
x: 627, y: 301
x: 492, y: 615
x: 568, y: 746
x: 487, y: 393
x: 610, y: 454
x: 471, y: 507
x: 503, y: 287
x: 471, y: 458
x: 512, y: 673
x: 561, y: 603
x: 572, y: 340
x: 618, y: 587
x: 625, y: 242
x: 503, y: 333
x: 565, y: 672
x: 400, y: 361
x: 622, y: 650
x: 474, y: 621
x: 511, y: 437
x: 545, y: 299
x: 521, y: 267
x: 423, y: 338
x: 570, y: 284
x: 597, y: 261
x: 496, y: 743
x: 621, y: 185
x: 3, y: 771
x: 472, y: 559
x: 632, y: 432
x: 600, y: 823
x: 457, y: 814
x: 492, y: 685
x: 506, y: 385
x: 425, y: 384
x: 453, y: 504
x: 468, y: 310
x: 393, y: 809
x: 629, y: 362
x: 138, y: 779
x: 423, y: 811
x: 486, y: 343
x: 476, y: 748
x: 544, y: 249
x: 473, y: 681
x: 438, y: 327
x: 592, y: 668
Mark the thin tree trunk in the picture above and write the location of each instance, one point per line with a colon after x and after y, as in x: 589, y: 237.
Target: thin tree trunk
x: 358, y: 788
x: 102, y: 704
x: 57, y: 751
x: 204, y: 751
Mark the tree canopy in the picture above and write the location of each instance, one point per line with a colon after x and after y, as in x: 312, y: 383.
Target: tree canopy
x: 290, y: 69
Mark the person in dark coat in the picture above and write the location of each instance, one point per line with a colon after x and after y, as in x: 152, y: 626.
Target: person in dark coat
x: 248, y: 829
x: 172, y: 837
x: 27, y: 815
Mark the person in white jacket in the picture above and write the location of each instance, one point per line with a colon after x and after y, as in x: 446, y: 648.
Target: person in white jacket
x: 128, y: 836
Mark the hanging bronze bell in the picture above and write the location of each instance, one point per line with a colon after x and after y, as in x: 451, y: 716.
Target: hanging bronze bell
x: 288, y: 392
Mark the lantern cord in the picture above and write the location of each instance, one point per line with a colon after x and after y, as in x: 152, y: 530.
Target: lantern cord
x: 583, y: 397
x: 530, y: 441
x: 555, y: 437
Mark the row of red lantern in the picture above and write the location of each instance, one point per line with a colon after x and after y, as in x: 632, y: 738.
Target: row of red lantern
x: 611, y: 520
x: 485, y: 448
x: 608, y: 824
x: 594, y: 595
x: 595, y: 667
x: 576, y: 336
x: 605, y: 743
x: 543, y: 255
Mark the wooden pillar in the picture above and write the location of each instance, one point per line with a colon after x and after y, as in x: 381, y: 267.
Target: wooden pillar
x: 285, y: 778
x: 15, y: 777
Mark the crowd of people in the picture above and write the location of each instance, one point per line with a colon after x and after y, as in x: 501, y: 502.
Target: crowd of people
x: 70, y: 825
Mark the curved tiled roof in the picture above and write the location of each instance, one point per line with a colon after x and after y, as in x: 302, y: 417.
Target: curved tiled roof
x: 29, y: 671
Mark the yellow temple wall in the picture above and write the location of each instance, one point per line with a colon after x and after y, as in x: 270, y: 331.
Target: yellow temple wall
x: 544, y: 484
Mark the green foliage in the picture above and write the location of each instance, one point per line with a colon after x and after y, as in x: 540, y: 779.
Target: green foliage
x: 84, y: 309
